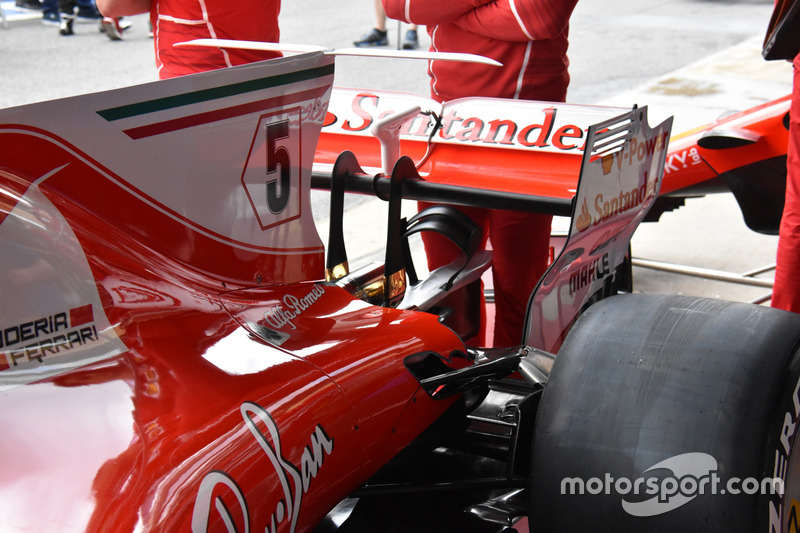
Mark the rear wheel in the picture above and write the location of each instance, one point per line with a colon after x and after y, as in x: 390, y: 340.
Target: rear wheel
x: 669, y: 413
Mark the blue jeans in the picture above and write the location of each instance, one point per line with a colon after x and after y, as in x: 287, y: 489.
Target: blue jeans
x: 50, y: 6
x: 85, y: 7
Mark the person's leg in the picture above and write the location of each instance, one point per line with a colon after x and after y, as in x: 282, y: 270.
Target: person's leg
x: 786, y: 291
x: 380, y: 16
x: 520, y: 253
x: 87, y: 10
x: 50, y: 12
x: 29, y: 4
x: 377, y: 36
x: 67, y: 15
x: 411, y: 39
x: 113, y: 27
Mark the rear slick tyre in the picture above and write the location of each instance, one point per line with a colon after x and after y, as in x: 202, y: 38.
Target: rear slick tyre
x: 670, y: 413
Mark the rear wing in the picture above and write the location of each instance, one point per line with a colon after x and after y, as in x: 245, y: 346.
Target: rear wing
x: 508, y: 147
x: 601, y: 166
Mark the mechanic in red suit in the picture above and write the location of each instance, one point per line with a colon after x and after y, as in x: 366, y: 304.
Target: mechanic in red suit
x: 786, y: 291
x: 183, y: 20
x: 530, y: 39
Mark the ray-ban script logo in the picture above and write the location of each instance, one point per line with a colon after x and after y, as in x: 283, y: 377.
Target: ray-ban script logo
x: 294, y: 481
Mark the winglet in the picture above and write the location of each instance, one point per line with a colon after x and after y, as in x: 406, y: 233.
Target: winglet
x: 356, y: 52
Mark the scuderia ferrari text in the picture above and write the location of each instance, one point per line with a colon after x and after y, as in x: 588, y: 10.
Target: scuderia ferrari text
x: 47, y: 336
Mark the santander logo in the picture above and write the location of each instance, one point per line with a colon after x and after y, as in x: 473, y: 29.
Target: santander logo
x: 520, y: 125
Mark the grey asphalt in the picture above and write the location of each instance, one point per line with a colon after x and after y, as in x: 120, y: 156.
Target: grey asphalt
x: 693, y: 59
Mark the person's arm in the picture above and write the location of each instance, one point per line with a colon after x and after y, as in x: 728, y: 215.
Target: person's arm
x: 122, y: 8
x: 519, y: 20
x: 429, y: 12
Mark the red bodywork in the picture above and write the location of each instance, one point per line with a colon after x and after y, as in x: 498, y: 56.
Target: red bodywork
x: 170, y: 358
x: 179, y: 403
x: 732, y: 142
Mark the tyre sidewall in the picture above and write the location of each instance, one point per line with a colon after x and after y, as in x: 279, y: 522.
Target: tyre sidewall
x: 646, y: 378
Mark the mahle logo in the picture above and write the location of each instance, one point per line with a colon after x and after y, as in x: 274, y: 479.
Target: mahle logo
x: 690, y: 475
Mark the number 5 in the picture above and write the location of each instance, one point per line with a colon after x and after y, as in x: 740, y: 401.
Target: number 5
x: 278, y: 156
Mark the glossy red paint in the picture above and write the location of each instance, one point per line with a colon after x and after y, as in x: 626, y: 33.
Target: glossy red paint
x: 149, y: 395
x: 540, y: 142
x: 549, y: 169
x: 690, y: 164
x: 542, y: 174
x: 171, y: 405
x: 171, y: 360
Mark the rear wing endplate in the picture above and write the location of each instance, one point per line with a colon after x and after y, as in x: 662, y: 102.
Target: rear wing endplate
x: 620, y: 178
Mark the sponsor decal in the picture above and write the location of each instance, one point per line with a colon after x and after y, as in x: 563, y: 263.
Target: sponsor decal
x: 607, y: 206
x: 635, y: 151
x: 285, y: 314
x: 682, y: 160
x: 794, y: 521
x: 596, y: 269
x: 782, y: 454
x: 690, y: 475
x: 271, y: 176
x: 47, y: 337
x: 542, y: 129
x: 294, y: 480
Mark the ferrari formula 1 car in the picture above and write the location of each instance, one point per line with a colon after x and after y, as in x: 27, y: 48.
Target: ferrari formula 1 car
x: 179, y: 354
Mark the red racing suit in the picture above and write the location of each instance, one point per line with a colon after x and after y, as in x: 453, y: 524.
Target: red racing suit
x: 530, y: 39
x: 176, y: 21
x: 786, y: 291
